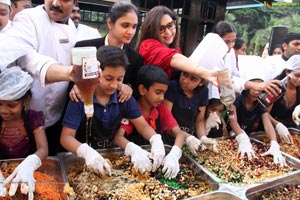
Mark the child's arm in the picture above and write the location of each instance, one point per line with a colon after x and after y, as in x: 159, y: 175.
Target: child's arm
x: 282, y: 130
x: 168, y: 104
x: 200, y: 122
x: 41, y: 142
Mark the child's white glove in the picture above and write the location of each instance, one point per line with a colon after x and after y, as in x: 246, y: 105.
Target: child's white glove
x: 210, y: 144
x: 171, y: 162
x: 2, y: 188
x: 157, y: 151
x: 23, y: 174
x: 213, y: 121
x: 284, y: 133
x: 193, y: 144
x: 139, y: 157
x: 245, y: 146
x: 93, y: 159
x: 275, y: 152
x: 296, y: 114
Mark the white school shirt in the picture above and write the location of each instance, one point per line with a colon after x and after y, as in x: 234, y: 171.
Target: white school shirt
x: 49, y: 42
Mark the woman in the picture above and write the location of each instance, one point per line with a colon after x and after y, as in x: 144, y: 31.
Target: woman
x: 122, y: 22
x: 159, y: 45
x: 239, y: 49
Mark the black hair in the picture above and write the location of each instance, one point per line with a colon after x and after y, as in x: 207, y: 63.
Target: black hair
x: 291, y: 36
x: 112, y: 56
x: 119, y: 9
x: 278, y: 46
x: 238, y: 43
x: 224, y: 27
x: 150, y: 74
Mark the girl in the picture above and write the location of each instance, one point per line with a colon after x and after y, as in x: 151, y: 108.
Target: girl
x: 159, y: 44
x: 22, y: 134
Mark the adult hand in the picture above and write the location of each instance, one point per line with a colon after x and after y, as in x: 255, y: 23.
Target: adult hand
x: 193, y: 144
x: 245, y: 146
x: 296, y: 114
x: 213, y: 121
x: 171, y: 162
x: 284, y: 133
x: 275, y: 152
x: 211, y: 144
x: 75, y: 94
x: 157, y: 151
x: 125, y: 92
x: 271, y: 87
x: 139, y: 157
x: 23, y: 174
x: 93, y: 159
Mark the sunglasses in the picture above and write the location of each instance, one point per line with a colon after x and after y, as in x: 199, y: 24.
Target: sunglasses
x: 171, y: 26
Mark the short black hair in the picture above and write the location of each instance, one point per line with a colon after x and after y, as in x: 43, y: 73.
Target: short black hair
x: 150, y: 74
x: 291, y: 36
x: 112, y: 56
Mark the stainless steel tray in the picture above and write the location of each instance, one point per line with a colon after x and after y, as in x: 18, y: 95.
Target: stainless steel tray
x: 255, y: 192
x: 218, y: 195
x: 69, y: 160
x: 50, y: 166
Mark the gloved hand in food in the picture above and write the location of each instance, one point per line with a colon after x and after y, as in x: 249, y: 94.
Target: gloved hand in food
x: 23, y: 175
x: 213, y: 121
x: 93, y: 159
x: 296, y: 114
x: 275, y: 152
x: 139, y: 157
x: 284, y: 133
x: 157, y: 151
x: 171, y: 162
x: 193, y: 144
x: 245, y: 146
x: 210, y: 143
x: 2, y: 188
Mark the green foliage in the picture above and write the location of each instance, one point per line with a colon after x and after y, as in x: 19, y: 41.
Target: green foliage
x: 254, y: 25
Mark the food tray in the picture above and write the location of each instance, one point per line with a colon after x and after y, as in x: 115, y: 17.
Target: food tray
x: 240, y: 186
x: 291, y: 149
x: 50, y: 170
x: 217, y: 195
x: 69, y: 160
x: 256, y: 192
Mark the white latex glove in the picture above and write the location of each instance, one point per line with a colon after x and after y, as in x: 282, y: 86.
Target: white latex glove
x: 283, y: 133
x: 210, y: 143
x: 139, y: 157
x: 296, y: 114
x: 23, y: 174
x: 171, y: 162
x: 93, y: 159
x: 213, y: 121
x: 275, y: 152
x: 2, y: 188
x: 193, y: 144
x: 157, y: 151
x: 245, y: 146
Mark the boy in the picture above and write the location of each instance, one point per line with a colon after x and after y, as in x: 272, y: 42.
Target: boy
x: 108, y: 113
x: 152, y: 83
x: 246, y: 110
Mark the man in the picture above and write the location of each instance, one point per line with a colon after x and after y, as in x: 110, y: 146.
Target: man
x: 44, y: 35
x: 84, y: 32
x: 291, y: 46
x: 4, y: 15
x: 19, y: 5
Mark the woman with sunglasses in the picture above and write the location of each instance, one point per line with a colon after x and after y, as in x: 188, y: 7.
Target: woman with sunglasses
x: 159, y: 45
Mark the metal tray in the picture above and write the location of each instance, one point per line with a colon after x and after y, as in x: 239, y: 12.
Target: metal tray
x: 50, y: 166
x: 218, y: 195
x: 69, y: 160
x: 255, y: 192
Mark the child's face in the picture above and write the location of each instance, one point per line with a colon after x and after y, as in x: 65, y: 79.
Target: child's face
x: 217, y: 108
x: 11, y: 110
x: 111, y: 79
x: 189, y: 82
x: 253, y: 94
x: 155, y: 94
x: 295, y: 78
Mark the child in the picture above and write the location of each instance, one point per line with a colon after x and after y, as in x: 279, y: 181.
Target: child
x: 22, y: 133
x: 215, y: 125
x: 246, y: 111
x: 187, y: 99
x: 152, y: 83
x: 108, y: 113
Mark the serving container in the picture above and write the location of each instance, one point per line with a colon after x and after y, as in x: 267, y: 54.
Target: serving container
x: 69, y: 160
x: 217, y: 195
x: 51, y: 167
